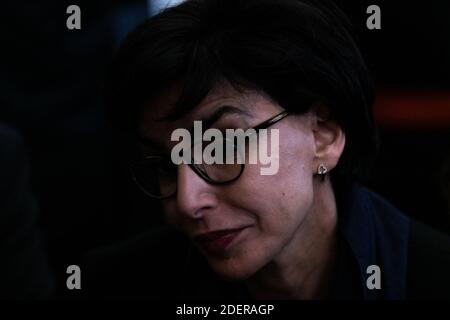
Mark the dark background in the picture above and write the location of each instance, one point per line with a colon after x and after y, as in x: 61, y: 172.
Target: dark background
x: 50, y: 96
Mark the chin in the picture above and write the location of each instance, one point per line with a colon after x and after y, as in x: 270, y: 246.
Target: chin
x: 234, y: 269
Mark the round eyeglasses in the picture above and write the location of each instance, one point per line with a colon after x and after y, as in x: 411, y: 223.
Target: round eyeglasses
x: 157, y: 176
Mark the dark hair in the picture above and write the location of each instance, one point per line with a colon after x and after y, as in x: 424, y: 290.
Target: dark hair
x: 297, y: 52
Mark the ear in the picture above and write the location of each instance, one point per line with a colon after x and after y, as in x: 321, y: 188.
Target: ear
x: 329, y: 138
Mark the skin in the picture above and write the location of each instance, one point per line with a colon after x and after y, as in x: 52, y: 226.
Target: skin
x: 288, y: 247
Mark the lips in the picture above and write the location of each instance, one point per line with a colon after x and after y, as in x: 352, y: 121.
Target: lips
x: 217, y: 241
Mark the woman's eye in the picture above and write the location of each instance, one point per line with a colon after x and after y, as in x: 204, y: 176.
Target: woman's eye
x: 166, y: 167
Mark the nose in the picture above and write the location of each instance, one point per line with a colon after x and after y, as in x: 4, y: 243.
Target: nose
x: 194, y: 195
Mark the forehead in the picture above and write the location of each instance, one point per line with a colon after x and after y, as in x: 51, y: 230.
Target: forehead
x: 153, y: 120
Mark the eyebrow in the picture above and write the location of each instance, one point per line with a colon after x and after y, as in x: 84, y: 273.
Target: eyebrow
x: 207, y: 122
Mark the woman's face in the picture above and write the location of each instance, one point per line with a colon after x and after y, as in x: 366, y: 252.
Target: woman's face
x: 257, y: 215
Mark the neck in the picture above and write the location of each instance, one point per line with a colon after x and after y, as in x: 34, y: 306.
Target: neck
x: 305, y: 267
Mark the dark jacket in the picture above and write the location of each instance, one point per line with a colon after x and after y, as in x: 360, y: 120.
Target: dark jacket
x: 414, y: 260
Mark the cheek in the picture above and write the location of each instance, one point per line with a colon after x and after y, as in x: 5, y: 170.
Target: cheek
x: 294, y: 175
x: 170, y: 214
x: 280, y: 201
x: 277, y: 205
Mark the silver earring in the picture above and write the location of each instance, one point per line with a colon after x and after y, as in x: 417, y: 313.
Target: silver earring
x: 322, y: 170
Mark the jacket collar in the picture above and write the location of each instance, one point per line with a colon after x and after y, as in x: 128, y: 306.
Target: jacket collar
x: 377, y: 235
